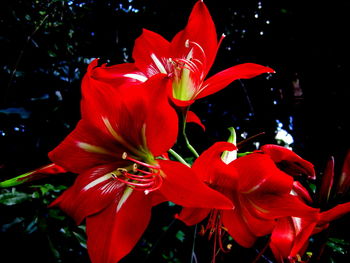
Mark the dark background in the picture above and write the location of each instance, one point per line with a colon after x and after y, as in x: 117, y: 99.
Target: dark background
x: 45, y: 47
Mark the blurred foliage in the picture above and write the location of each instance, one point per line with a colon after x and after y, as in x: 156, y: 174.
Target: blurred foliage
x: 45, y: 47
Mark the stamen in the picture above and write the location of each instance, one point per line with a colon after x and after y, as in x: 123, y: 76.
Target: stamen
x: 147, y: 180
x: 191, y: 65
x: 126, y: 157
x: 215, y: 227
x: 195, y: 44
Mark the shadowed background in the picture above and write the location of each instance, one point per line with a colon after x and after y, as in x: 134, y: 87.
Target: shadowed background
x: 45, y: 48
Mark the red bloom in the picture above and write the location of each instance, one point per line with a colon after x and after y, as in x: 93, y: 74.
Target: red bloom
x: 290, y: 237
x: 259, y: 191
x: 115, y: 149
x: 187, y: 59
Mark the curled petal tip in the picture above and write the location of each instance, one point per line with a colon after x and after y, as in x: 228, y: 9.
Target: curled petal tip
x: 271, y: 70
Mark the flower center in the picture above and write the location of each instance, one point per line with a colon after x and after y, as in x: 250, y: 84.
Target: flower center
x: 140, y: 175
x: 188, y: 72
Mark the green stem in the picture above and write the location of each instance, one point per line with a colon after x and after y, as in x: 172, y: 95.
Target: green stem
x: 193, y: 255
x: 189, y: 146
x: 178, y: 157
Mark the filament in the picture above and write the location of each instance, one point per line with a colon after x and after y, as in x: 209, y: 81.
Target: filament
x: 147, y: 179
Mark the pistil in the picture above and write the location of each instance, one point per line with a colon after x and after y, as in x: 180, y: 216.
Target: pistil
x: 147, y: 179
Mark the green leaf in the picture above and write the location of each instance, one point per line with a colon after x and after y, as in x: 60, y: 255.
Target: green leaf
x: 339, y: 241
x: 81, y: 238
x: 180, y: 235
x: 13, y: 198
x: 52, y: 54
x: 339, y: 246
x: 32, y: 226
x: 54, y: 251
x: 56, y: 214
x: 17, y: 220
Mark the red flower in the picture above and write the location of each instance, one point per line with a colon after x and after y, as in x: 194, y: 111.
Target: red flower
x: 187, y: 59
x: 290, y: 237
x: 259, y: 191
x: 115, y: 150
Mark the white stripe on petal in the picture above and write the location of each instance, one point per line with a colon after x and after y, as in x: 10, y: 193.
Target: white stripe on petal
x: 158, y: 63
x: 124, y: 197
x: 97, y: 181
x: 93, y: 148
x: 136, y: 76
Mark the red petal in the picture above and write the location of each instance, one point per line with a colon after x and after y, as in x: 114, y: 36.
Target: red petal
x: 282, y: 239
x: 277, y: 206
x: 289, y: 161
x: 118, y: 74
x: 181, y: 103
x: 344, y: 181
x: 113, y: 233
x: 192, y: 117
x: 113, y: 110
x: 157, y: 198
x: 259, y: 174
x: 209, y: 165
x: 182, y: 186
x: 334, y: 213
x: 92, y: 191
x: 141, y: 117
x: 161, y: 120
x: 200, y: 29
x: 192, y: 216
x: 291, y: 237
x: 147, y: 45
x: 327, y: 182
x: 85, y: 148
x: 301, y: 192
x: 302, y: 239
x: 237, y: 228
x: 225, y: 77
x: 257, y: 226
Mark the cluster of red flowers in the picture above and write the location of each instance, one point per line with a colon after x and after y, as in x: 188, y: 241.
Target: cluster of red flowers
x: 130, y: 121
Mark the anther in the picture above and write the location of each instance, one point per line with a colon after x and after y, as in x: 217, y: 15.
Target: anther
x: 122, y: 170
x: 187, y: 43
x: 124, y: 155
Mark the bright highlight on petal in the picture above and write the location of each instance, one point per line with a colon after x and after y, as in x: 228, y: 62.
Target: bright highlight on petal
x: 136, y: 76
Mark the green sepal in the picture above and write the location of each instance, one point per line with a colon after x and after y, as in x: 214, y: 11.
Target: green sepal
x: 33, y: 175
x: 16, y: 180
x: 243, y: 154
